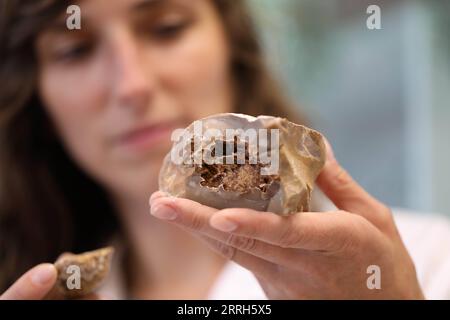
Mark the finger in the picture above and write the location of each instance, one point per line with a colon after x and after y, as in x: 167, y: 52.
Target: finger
x: 345, y: 192
x: 33, y: 285
x: 306, y: 230
x: 156, y: 195
x: 260, y: 267
x: 188, y: 213
x: 325, y: 231
x: 286, y: 257
x: 196, y: 217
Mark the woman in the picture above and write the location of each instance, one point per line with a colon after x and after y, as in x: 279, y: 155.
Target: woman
x: 86, y: 117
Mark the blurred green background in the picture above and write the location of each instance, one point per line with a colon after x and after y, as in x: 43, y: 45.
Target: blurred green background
x: 382, y: 97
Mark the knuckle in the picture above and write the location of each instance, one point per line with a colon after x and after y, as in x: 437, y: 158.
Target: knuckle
x: 226, y: 250
x: 290, y: 237
x: 386, y: 219
x: 349, y: 233
x: 196, y: 222
x: 243, y: 243
x: 350, y: 244
x: 355, y: 237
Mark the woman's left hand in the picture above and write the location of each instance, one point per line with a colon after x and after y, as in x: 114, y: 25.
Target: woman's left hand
x: 353, y: 253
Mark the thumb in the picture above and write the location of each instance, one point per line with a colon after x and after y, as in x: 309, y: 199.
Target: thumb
x: 343, y: 191
x: 33, y: 285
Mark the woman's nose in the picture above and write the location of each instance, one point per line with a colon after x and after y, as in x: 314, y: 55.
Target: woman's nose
x: 131, y: 83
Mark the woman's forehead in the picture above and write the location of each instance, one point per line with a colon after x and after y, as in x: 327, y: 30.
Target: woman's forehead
x: 95, y: 13
x: 124, y: 6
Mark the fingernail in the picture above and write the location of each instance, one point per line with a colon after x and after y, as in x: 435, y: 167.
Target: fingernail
x: 223, y: 224
x: 163, y: 212
x: 43, y: 274
x: 157, y: 195
x: 154, y: 196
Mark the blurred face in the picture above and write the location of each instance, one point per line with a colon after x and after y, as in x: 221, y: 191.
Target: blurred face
x: 137, y: 70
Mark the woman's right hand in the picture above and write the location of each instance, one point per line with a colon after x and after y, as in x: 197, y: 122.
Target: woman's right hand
x: 33, y: 285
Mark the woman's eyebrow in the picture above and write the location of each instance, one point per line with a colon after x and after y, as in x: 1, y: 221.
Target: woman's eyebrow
x: 60, y: 24
x: 148, y: 4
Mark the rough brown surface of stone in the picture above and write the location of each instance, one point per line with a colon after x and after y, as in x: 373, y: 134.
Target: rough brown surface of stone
x: 301, y: 158
x: 93, y: 265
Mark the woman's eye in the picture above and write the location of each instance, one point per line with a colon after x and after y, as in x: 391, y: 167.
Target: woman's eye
x: 74, y: 53
x: 168, y: 31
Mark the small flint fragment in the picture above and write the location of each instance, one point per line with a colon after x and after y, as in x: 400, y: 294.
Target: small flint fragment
x: 93, y: 268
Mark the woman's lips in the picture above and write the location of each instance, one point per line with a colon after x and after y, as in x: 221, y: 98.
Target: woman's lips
x: 147, y: 137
